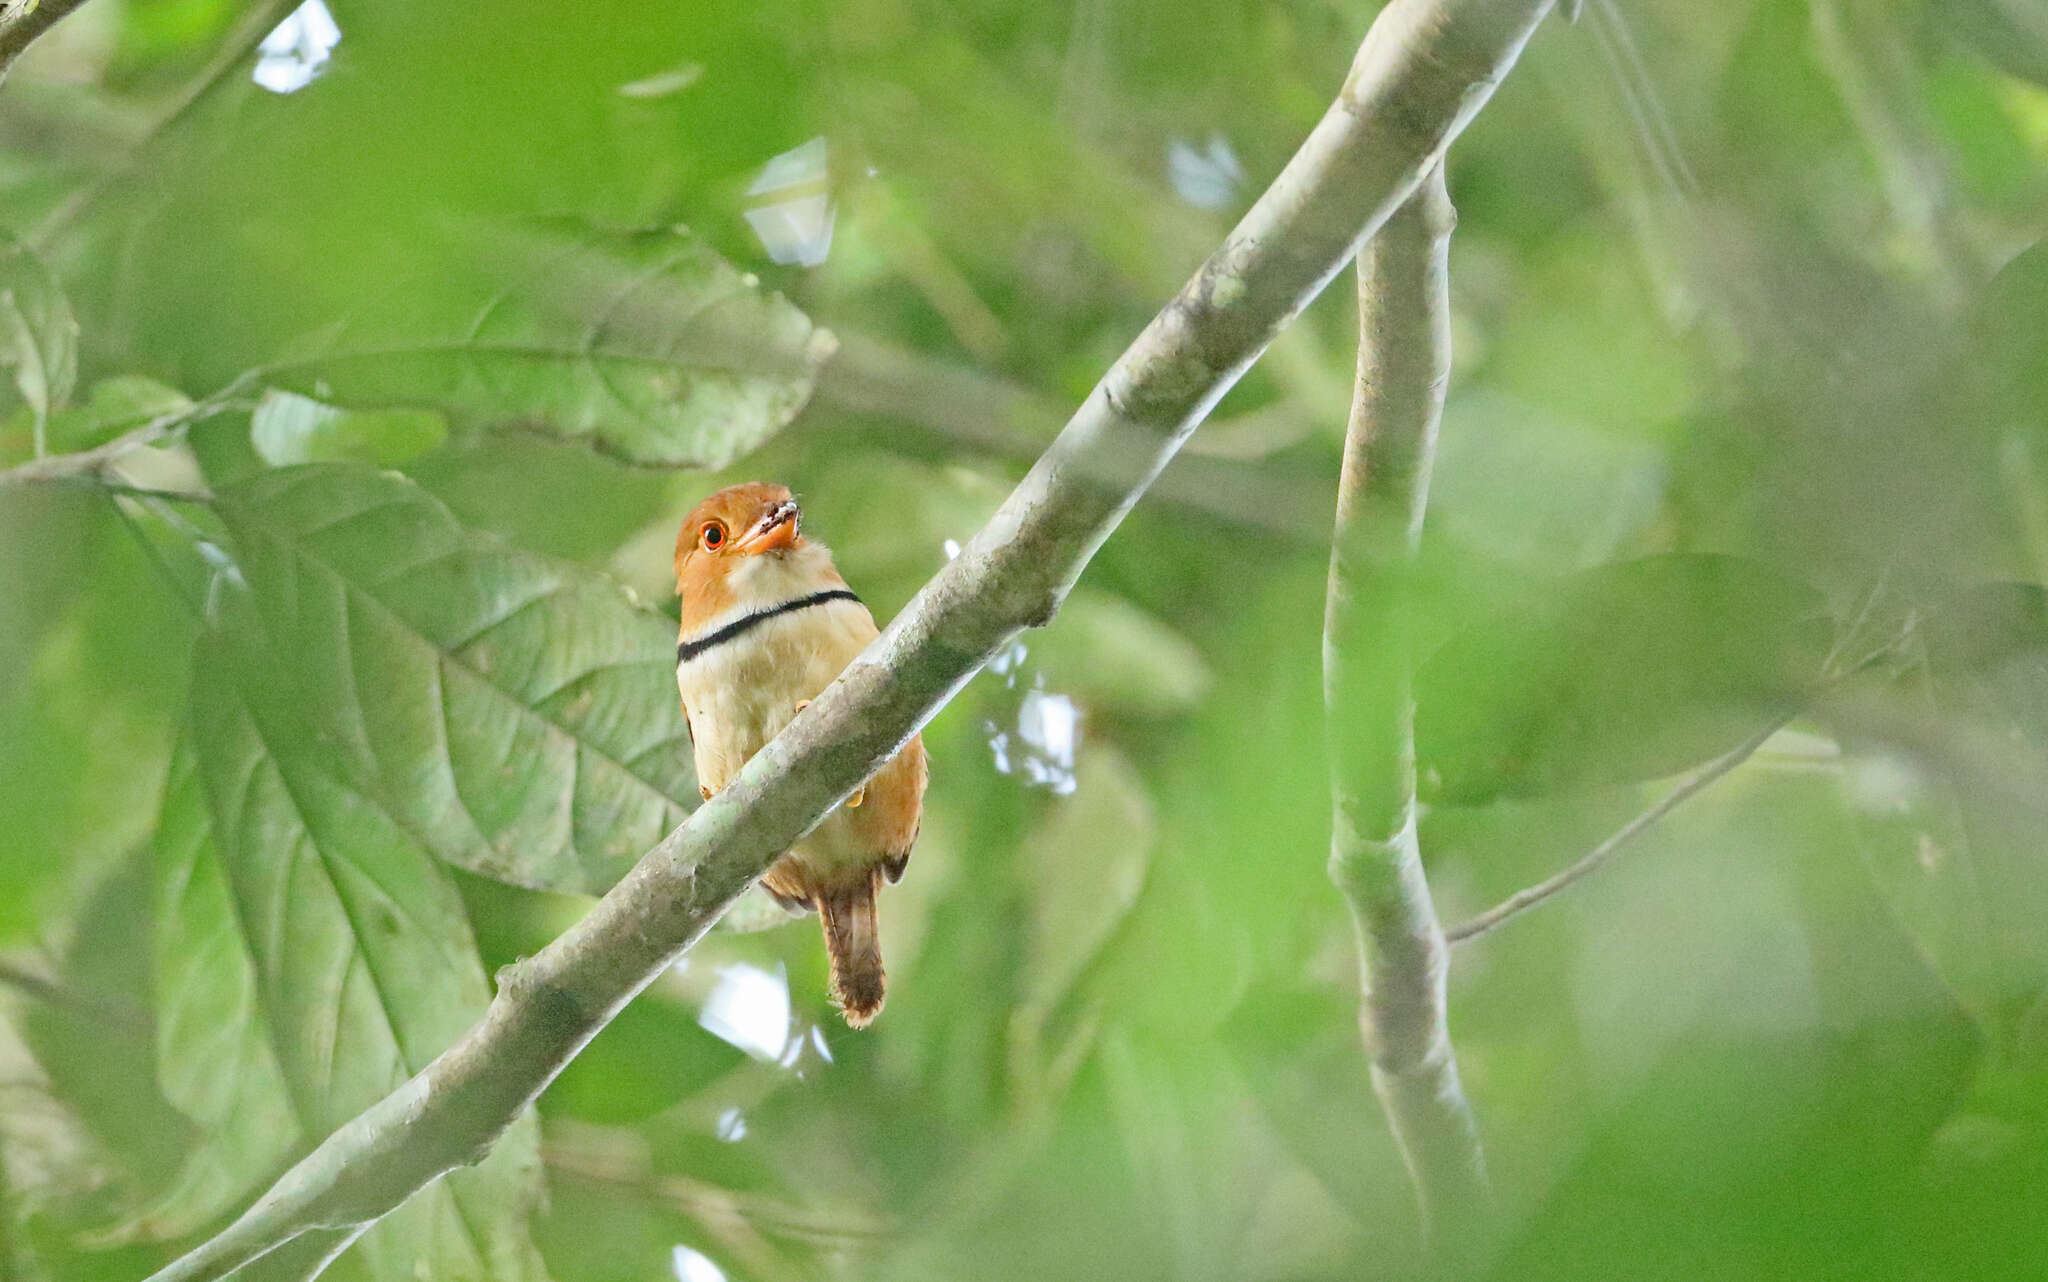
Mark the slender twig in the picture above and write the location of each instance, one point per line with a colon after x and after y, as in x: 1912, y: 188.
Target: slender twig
x: 1523, y: 900
x: 1639, y: 95
x: 65, y: 466
x: 1425, y: 69
x: 1835, y: 675
x: 21, y: 21
x: 1404, y: 362
x: 85, y: 463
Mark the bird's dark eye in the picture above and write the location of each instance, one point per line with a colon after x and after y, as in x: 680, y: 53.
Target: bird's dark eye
x: 714, y: 536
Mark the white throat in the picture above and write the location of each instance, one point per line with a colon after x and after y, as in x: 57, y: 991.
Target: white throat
x: 764, y: 582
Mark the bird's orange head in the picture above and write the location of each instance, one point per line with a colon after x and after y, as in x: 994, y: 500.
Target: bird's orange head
x: 725, y: 530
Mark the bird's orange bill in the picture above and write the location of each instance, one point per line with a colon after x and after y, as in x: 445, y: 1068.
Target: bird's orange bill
x: 777, y: 529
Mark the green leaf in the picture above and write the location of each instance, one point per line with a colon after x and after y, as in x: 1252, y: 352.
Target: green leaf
x: 518, y: 715
x: 115, y: 405
x: 1627, y: 671
x: 653, y: 1053
x: 93, y: 651
x: 312, y: 957
x: 215, y: 1057
x: 288, y: 428
x: 38, y: 334
x: 1575, y: 341
x: 643, y: 344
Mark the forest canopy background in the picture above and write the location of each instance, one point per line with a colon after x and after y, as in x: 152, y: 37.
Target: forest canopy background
x: 1750, y: 387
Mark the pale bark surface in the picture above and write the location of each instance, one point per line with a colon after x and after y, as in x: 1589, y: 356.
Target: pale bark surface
x: 1404, y: 364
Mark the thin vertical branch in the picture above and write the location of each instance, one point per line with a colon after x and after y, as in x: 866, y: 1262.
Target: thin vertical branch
x: 1404, y: 358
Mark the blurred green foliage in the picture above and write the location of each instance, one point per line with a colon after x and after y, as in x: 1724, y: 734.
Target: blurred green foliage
x: 1751, y: 392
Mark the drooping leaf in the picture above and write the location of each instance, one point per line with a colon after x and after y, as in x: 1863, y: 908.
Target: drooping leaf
x: 46, y: 537
x: 1628, y: 671
x: 644, y: 344
x: 312, y: 957
x: 216, y: 1062
x: 38, y: 333
x: 1923, y: 861
x: 287, y: 428
x: 519, y: 716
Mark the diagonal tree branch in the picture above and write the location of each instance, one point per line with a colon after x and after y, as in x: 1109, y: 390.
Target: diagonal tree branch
x: 980, y: 412
x: 1425, y: 68
x: 21, y: 21
x: 1404, y: 363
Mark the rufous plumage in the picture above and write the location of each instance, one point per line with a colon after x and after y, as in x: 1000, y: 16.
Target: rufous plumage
x: 767, y: 623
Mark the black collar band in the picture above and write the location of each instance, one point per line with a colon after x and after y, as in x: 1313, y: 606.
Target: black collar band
x: 746, y: 623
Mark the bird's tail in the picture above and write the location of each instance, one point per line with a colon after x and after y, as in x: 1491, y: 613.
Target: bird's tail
x: 853, y: 944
